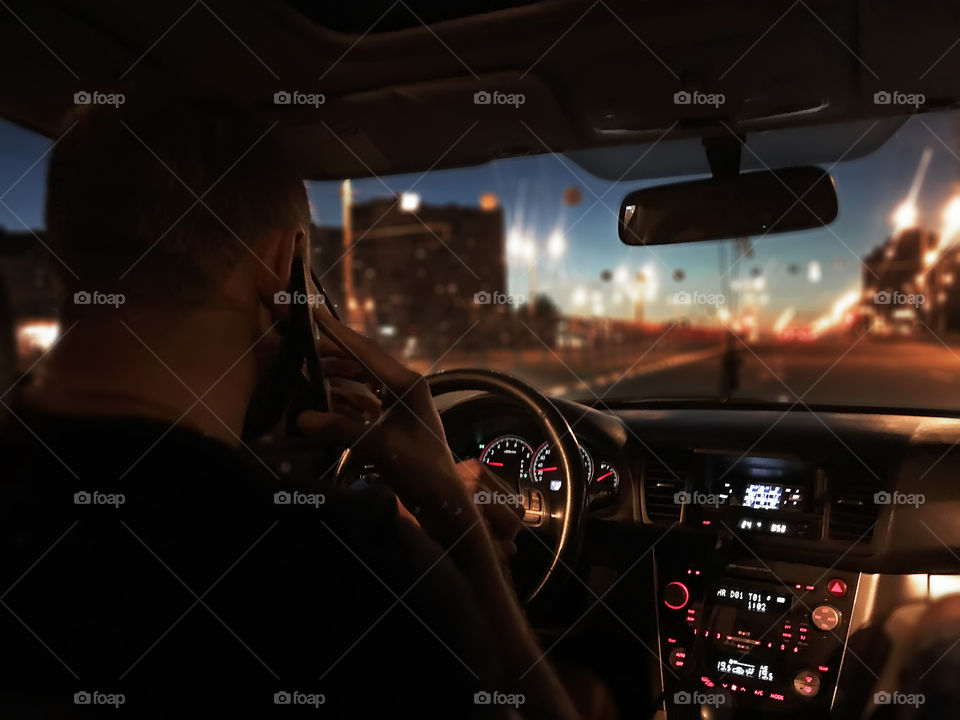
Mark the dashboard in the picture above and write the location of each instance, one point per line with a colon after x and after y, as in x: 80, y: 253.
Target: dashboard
x: 510, y: 445
x: 749, y: 558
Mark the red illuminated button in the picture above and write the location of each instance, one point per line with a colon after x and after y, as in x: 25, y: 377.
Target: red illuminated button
x: 678, y: 657
x: 675, y: 595
x: 806, y: 683
x: 837, y: 587
x: 826, y: 617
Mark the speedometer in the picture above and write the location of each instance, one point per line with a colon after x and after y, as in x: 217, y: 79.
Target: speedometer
x: 546, y: 471
x: 509, y: 457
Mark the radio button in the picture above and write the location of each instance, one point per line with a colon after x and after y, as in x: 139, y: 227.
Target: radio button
x: 825, y: 617
x: 806, y: 683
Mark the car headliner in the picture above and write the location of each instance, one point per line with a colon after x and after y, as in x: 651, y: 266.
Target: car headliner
x: 399, y: 97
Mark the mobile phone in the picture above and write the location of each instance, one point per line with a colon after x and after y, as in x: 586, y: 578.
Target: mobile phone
x: 305, y: 337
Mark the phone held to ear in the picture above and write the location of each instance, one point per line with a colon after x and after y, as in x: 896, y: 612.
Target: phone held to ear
x: 321, y: 392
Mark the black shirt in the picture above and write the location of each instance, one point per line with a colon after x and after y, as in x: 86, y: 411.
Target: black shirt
x: 152, y: 568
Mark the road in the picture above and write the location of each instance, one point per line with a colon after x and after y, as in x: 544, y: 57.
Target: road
x: 904, y: 373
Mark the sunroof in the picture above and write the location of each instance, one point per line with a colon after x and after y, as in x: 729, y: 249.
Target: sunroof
x: 378, y: 16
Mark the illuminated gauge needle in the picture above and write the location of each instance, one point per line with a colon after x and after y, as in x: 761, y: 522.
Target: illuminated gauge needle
x: 600, y: 479
x: 495, y: 464
x: 551, y: 469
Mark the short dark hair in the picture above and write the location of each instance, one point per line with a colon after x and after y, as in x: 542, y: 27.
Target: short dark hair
x: 119, y: 213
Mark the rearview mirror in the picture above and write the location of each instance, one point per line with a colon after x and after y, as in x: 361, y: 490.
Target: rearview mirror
x: 744, y: 205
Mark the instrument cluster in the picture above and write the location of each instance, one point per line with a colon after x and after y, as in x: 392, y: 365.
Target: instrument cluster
x: 517, y: 461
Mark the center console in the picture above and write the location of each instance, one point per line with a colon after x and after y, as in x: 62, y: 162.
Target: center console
x: 755, y: 640
x: 744, y: 636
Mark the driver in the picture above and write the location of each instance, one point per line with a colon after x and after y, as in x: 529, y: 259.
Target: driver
x: 154, y: 566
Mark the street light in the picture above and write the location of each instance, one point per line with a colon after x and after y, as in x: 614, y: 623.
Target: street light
x: 556, y: 245
x: 905, y: 216
x: 951, y: 219
x: 410, y: 202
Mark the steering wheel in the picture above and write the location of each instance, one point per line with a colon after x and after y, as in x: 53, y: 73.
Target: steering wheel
x: 562, y: 511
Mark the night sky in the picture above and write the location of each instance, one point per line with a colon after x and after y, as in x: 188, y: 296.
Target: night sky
x: 531, y: 191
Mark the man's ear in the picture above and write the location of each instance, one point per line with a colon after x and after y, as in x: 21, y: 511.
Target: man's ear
x: 276, y: 256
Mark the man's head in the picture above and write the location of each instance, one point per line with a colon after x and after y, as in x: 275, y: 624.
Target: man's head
x: 162, y: 200
x: 193, y: 213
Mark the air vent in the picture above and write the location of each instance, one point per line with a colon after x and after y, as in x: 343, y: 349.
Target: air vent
x: 662, y: 480
x: 853, y: 511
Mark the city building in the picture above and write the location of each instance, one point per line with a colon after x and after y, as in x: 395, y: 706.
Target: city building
x: 909, y: 284
x: 423, y: 275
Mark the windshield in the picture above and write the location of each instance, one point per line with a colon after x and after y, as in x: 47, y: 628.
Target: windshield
x: 516, y: 266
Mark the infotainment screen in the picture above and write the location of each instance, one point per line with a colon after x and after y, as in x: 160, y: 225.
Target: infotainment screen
x: 761, y: 483
x: 762, y: 497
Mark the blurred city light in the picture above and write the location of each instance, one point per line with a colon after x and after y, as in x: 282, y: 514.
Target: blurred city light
x: 905, y: 216
x: 814, y: 272
x: 409, y: 202
x: 780, y: 325
x: 839, y: 313
x: 489, y: 201
x: 556, y: 245
x: 35, y: 336
x: 650, y: 282
x: 951, y: 220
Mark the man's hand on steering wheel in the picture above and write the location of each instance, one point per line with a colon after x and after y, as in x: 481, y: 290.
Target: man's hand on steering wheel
x: 406, y: 440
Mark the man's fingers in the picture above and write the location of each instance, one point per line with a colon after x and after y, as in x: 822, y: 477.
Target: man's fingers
x: 387, y: 370
x: 339, y: 429
x: 345, y: 367
x: 355, y: 403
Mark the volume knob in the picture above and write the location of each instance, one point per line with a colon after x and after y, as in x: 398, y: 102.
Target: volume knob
x: 675, y: 595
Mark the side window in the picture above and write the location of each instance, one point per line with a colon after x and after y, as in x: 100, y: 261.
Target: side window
x: 28, y: 303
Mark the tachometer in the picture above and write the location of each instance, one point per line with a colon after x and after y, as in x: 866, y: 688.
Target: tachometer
x: 546, y: 471
x: 509, y: 457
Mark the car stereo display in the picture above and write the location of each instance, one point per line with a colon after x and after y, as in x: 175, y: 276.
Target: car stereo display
x: 762, y: 497
x: 736, y: 666
x: 761, y: 483
x: 753, y: 600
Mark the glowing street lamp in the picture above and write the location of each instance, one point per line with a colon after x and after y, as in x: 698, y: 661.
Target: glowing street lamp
x: 410, y: 202
x: 556, y: 245
x: 951, y: 219
x: 905, y: 216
